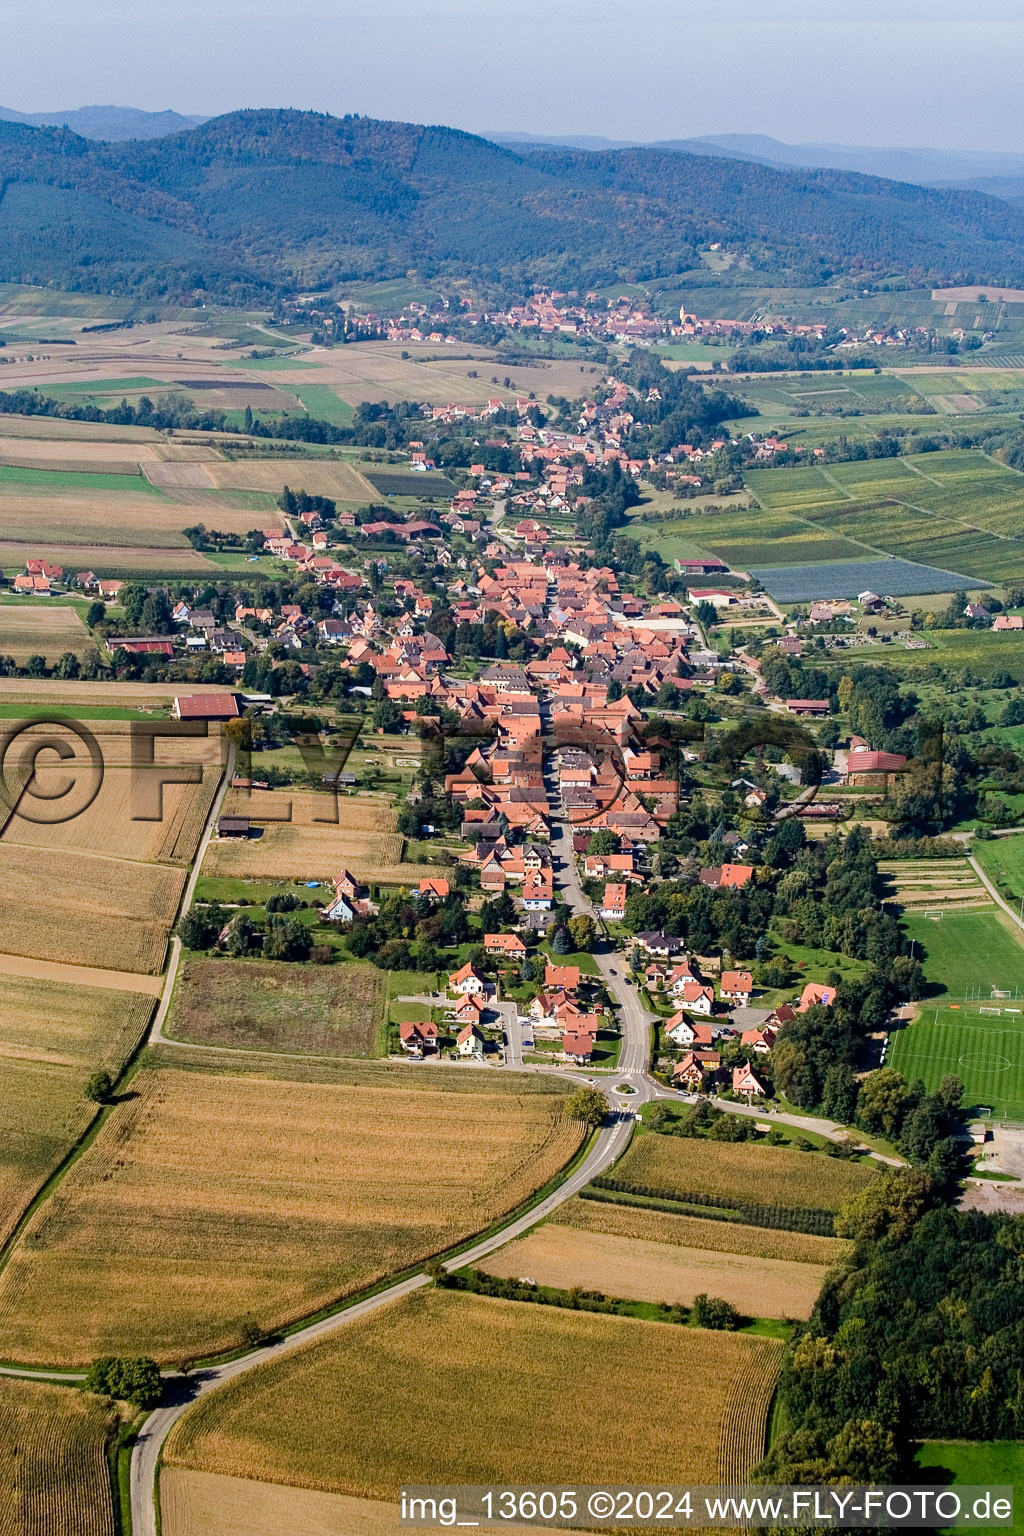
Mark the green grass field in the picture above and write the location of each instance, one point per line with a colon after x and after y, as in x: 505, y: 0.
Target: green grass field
x: 965, y: 955
x: 978, y: 1464
x: 44, y: 480
x: 104, y: 386
x: 1002, y: 859
x: 985, y: 1050
x: 274, y: 363
x: 323, y: 404
x: 979, y: 651
x: 963, y: 952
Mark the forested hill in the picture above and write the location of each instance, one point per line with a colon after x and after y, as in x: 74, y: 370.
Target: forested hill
x: 259, y: 200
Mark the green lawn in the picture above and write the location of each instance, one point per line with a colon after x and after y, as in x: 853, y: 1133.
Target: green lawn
x: 1002, y: 859
x: 976, y: 1463
x: 985, y: 1050
x: 586, y: 963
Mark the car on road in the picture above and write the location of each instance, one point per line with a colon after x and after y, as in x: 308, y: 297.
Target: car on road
x: 612, y: 972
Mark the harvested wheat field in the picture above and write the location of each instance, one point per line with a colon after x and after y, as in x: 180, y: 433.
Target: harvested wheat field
x: 34, y: 691
x: 46, y: 453
x: 119, y: 519
x: 742, y: 1171
x: 380, y: 372
x: 113, y: 560
x: 52, y: 1037
x: 320, y: 477
x: 694, y: 1232
x: 178, y: 473
x: 210, y: 1504
x: 111, y: 824
x: 76, y: 466
x: 500, y: 1383
x: 118, y: 741
x: 651, y: 1271
x: 315, y: 853
x: 358, y: 813
x: 87, y: 909
x: 278, y: 1006
x: 53, y: 1465
x: 363, y: 840
x: 207, y: 1200
x: 39, y: 630
x: 56, y: 428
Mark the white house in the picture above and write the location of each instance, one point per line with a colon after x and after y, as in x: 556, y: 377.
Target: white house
x: 466, y: 979
x: 687, y: 1033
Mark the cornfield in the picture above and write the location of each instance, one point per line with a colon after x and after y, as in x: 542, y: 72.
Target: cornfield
x: 741, y: 1173
x: 206, y: 1200
x: 499, y: 1383
x: 745, y: 1421
x: 699, y: 1232
x: 87, y: 909
x: 53, y: 1466
x: 720, y: 1208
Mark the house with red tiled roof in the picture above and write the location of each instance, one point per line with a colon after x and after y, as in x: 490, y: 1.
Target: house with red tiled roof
x: 613, y: 903
x: 759, y: 1040
x: 688, y: 1033
x: 815, y: 995
x: 736, y: 987
x: 564, y: 977
x: 507, y: 944
x: 469, y: 1041
x: 469, y: 1009
x: 732, y: 877
x: 690, y: 1071
x: 418, y: 1037
x: 746, y: 1080
x: 466, y: 979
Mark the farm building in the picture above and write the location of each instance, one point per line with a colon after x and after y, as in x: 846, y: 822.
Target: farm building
x: 206, y: 706
x: 233, y: 826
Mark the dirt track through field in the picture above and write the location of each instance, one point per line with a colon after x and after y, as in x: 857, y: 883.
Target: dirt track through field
x: 80, y: 975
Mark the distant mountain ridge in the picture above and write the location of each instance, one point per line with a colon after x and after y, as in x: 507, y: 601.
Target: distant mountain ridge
x: 922, y: 167
x: 260, y: 201
x: 110, y: 123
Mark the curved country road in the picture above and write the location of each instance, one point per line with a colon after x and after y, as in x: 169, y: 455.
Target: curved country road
x: 609, y: 1144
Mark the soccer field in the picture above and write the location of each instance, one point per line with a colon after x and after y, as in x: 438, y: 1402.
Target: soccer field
x: 985, y: 1050
x: 967, y: 954
x: 966, y: 1028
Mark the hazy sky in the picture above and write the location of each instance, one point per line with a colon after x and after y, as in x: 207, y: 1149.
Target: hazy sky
x: 909, y: 72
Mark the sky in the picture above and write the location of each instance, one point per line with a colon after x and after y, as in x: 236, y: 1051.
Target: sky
x: 883, y: 72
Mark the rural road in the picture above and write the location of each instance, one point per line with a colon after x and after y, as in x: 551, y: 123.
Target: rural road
x: 1011, y: 912
x: 609, y: 1143
x: 156, y: 1034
